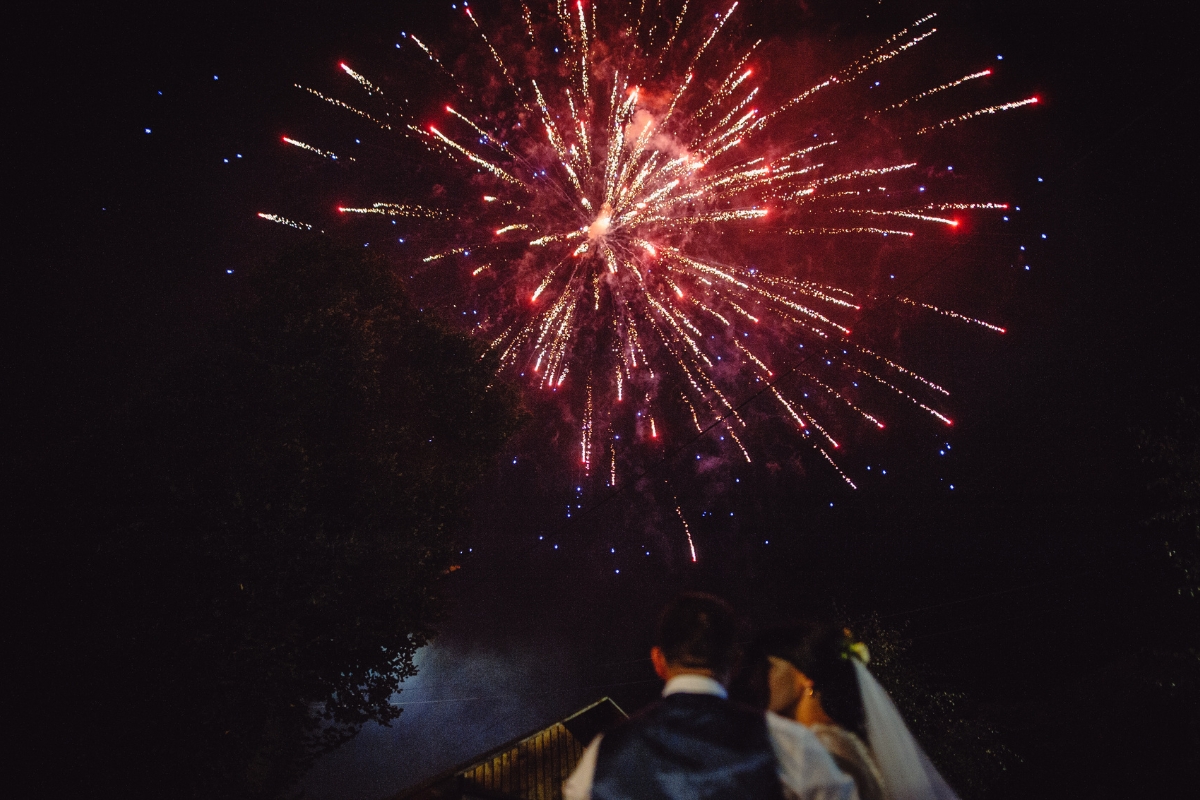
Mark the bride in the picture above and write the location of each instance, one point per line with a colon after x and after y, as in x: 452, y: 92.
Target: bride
x: 816, y: 675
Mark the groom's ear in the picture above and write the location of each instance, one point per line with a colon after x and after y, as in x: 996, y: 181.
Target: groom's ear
x: 659, y: 658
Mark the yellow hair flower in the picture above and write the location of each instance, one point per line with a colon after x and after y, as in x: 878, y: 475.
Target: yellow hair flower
x: 860, y: 651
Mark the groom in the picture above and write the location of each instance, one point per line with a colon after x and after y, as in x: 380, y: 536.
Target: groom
x: 695, y: 743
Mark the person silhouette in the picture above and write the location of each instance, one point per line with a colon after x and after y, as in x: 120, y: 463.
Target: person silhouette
x: 816, y: 674
x: 697, y: 744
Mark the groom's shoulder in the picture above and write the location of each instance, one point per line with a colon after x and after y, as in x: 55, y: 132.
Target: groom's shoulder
x: 684, y: 708
x: 686, y: 704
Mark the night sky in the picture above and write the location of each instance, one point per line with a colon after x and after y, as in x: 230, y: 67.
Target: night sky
x: 149, y: 138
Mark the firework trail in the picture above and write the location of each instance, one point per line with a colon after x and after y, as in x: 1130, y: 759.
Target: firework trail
x: 687, y: 531
x: 615, y: 161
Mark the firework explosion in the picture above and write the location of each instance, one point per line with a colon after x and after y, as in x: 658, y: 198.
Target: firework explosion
x: 614, y: 168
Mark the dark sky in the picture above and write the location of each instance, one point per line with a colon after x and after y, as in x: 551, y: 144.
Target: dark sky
x: 126, y: 238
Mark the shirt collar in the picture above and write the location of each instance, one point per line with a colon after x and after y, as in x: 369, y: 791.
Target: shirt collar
x: 694, y: 684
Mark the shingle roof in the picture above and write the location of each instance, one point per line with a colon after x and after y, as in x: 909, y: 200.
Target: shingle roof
x: 532, y: 767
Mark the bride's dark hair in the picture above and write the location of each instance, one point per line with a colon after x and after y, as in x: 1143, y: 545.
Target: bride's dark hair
x: 818, y: 650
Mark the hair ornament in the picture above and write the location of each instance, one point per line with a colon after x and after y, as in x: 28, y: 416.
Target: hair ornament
x: 853, y: 649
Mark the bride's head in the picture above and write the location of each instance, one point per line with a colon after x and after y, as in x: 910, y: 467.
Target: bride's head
x: 803, y: 672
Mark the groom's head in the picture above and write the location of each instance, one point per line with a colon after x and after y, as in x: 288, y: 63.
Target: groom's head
x: 697, y: 635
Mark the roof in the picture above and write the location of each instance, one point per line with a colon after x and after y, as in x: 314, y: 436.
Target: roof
x: 531, y: 767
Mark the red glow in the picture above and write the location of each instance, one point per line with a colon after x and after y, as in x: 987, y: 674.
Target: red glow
x: 668, y: 211
x: 1034, y: 99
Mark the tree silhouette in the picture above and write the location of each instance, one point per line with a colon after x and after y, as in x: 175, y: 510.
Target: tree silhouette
x: 268, y: 517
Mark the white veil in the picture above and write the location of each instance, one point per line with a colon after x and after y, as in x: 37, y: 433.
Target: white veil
x: 907, y: 772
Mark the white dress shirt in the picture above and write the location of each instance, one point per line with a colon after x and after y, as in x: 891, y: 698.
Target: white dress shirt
x: 806, y: 770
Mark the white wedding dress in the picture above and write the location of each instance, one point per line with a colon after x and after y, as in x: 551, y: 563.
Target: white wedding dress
x: 853, y: 758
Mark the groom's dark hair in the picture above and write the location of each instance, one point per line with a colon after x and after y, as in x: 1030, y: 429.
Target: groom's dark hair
x: 699, y: 631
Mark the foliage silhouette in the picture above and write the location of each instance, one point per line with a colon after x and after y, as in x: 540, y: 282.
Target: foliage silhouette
x: 270, y: 516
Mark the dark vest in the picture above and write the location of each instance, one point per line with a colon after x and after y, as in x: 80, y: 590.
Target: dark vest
x: 692, y: 746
